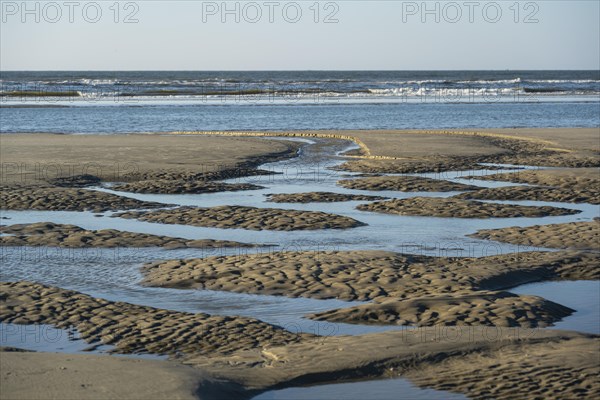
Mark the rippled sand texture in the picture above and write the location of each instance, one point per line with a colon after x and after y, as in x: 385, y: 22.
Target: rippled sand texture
x: 573, y: 235
x: 459, y: 328
x: 457, y: 208
x: 67, y: 199
x: 132, y: 328
x: 320, y: 197
x: 568, y: 185
x: 405, y: 184
x: 407, y: 290
x: 51, y: 234
x: 251, y: 218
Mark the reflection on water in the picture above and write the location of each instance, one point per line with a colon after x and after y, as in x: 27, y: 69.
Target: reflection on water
x: 582, y: 296
x: 383, y: 389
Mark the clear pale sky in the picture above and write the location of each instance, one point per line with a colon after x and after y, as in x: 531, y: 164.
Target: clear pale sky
x: 368, y: 35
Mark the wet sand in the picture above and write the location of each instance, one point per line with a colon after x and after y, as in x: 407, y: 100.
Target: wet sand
x: 404, y: 184
x: 254, y: 356
x: 557, y: 364
x: 251, y: 218
x: 500, y: 309
x: 438, y: 151
x: 30, y: 158
x: 48, y: 171
x: 572, y: 178
x: 406, y: 289
x: 533, y: 193
x: 132, y: 328
x: 36, y: 375
x: 392, y: 354
x: 177, y: 187
x: 573, y: 235
x: 58, y: 235
x: 52, y: 198
x: 365, y: 275
x: 457, y: 208
x: 251, y: 355
x: 556, y: 369
x: 569, y: 185
x: 320, y: 197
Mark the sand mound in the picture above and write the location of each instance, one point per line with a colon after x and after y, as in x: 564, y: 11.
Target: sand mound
x: 180, y: 187
x: 132, y: 328
x: 366, y: 275
x: 374, y: 166
x: 555, y: 369
x: 51, y: 234
x: 457, y: 208
x: 435, y: 290
x: 482, y: 308
x: 239, y: 217
x: 570, y: 178
x: 404, y: 184
x: 67, y: 199
x: 319, y: 197
x: 532, y: 193
x: 573, y: 235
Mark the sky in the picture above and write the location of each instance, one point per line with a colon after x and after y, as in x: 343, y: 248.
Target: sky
x: 299, y: 35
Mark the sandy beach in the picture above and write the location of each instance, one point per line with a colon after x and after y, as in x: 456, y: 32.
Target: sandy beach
x: 462, y: 329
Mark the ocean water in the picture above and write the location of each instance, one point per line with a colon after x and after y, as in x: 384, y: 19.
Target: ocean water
x: 113, y: 102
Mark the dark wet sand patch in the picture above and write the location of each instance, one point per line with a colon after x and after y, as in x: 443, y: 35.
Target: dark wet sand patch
x: 458, y: 208
x: 407, y: 290
x: 48, y: 198
x: 133, y: 328
x: 405, y: 184
x: 51, y: 234
x: 479, y: 308
x: 251, y: 218
x: 533, y: 193
x: 182, y: 187
x: 572, y: 235
x: 319, y: 197
x: 554, y: 369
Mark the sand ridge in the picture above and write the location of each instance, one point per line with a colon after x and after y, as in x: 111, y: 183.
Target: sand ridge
x: 564, y: 369
x: 572, y: 235
x: 365, y: 275
x: 406, y: 289
x: 178, y: 187
x: 404, y: 184
x: 410, y: 151
x: 533, y: 193
x: 480, y: 308
x: 573, y: 178
x: 133, y: 328
x: 398, y: 353
x: 319, y: 197
x: 457, y: 208
x: 412, y: 166
x: 49, y: 198
x: 571, y: 185
x: 240, y: 217
x: 51, y: 234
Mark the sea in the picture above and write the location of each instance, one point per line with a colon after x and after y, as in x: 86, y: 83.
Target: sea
x: 108, y: 102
